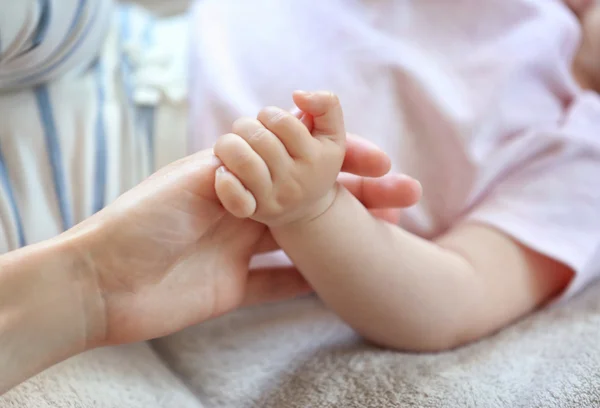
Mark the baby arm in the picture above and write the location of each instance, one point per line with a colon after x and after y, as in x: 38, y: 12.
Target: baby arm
x: 407, y: 293
x: 392, y: 287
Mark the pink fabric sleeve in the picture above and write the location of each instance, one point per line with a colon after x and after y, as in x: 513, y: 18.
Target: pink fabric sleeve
x: 551, y: 202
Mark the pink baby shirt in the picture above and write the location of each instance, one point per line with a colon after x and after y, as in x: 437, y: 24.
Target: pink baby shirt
x: 475, y: 99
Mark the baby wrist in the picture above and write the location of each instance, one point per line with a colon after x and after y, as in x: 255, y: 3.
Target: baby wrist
x: 312, y: 215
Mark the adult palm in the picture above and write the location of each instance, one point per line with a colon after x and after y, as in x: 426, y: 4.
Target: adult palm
x: 166, y: 255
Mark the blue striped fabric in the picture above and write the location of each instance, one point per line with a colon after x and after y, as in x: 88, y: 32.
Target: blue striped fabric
x: 66, y: 36
x: 144, y: 114
x: 54, y: 155
x: 47, y: 71
x: 109, y: 137
x: 147, y: 112
x: 126, y: 66
x: 101, y: 168
x: 8, y: 188
x: 42, y: 28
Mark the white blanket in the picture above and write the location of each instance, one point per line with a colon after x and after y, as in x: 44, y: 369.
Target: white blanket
x: 550, y: 359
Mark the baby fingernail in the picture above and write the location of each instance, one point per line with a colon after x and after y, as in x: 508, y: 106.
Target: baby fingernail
x: 302, y: 93
x: 214, y: 160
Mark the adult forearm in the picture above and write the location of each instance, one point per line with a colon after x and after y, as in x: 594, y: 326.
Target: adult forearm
x: 44, y: 309
x: 393, y: 287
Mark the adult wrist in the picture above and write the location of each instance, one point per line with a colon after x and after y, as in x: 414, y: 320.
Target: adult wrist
x: 73, y: 251
x: 49, y: 308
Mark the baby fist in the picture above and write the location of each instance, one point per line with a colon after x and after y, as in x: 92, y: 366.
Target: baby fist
x: 275, y: 170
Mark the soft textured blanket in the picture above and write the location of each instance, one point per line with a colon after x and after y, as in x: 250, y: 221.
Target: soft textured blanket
x: 550, y: 359
x: 271, y: 359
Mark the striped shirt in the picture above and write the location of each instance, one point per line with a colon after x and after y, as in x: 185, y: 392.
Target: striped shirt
x: 92, y: 99
x: 43, y: 39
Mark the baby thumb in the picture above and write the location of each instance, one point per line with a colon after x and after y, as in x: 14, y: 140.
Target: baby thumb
x: 303, y: 117
x: 326, y: 112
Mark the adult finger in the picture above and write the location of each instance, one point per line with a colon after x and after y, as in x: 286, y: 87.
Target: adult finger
x: 391, y: 215
x: 266, y: 244
x: 268, y: 285
x: 389, y: 191
x: 364, y: 158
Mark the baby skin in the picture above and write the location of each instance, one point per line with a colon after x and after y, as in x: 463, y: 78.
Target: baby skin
x: 394, y: 288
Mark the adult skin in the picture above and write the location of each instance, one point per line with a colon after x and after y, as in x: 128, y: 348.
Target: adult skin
x: 162, y: 257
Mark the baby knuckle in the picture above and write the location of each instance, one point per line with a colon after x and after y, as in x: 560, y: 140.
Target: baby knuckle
x: 333, y: 98
x: 269, y: 209
x: 273, y: 116
x: 224, y: 145
x: 237, y: 124
x: 261, y: 136
x: 245, y: 165
x: 242, y: 206
x: 329, y: 98
x: 240, y: 125
x: 289, y: 194
x: 226, y: 141
x: 244, y: 162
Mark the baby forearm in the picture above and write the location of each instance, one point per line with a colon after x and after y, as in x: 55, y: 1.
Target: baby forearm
x: 393, y: 287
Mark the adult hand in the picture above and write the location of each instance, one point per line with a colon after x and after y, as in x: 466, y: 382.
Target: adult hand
x: 166, y: 255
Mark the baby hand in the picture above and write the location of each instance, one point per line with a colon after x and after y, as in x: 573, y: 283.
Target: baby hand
x: 274, y: 170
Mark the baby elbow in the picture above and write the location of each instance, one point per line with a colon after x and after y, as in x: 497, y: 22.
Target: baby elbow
x: 438, y: 343
x: 424, y: 340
